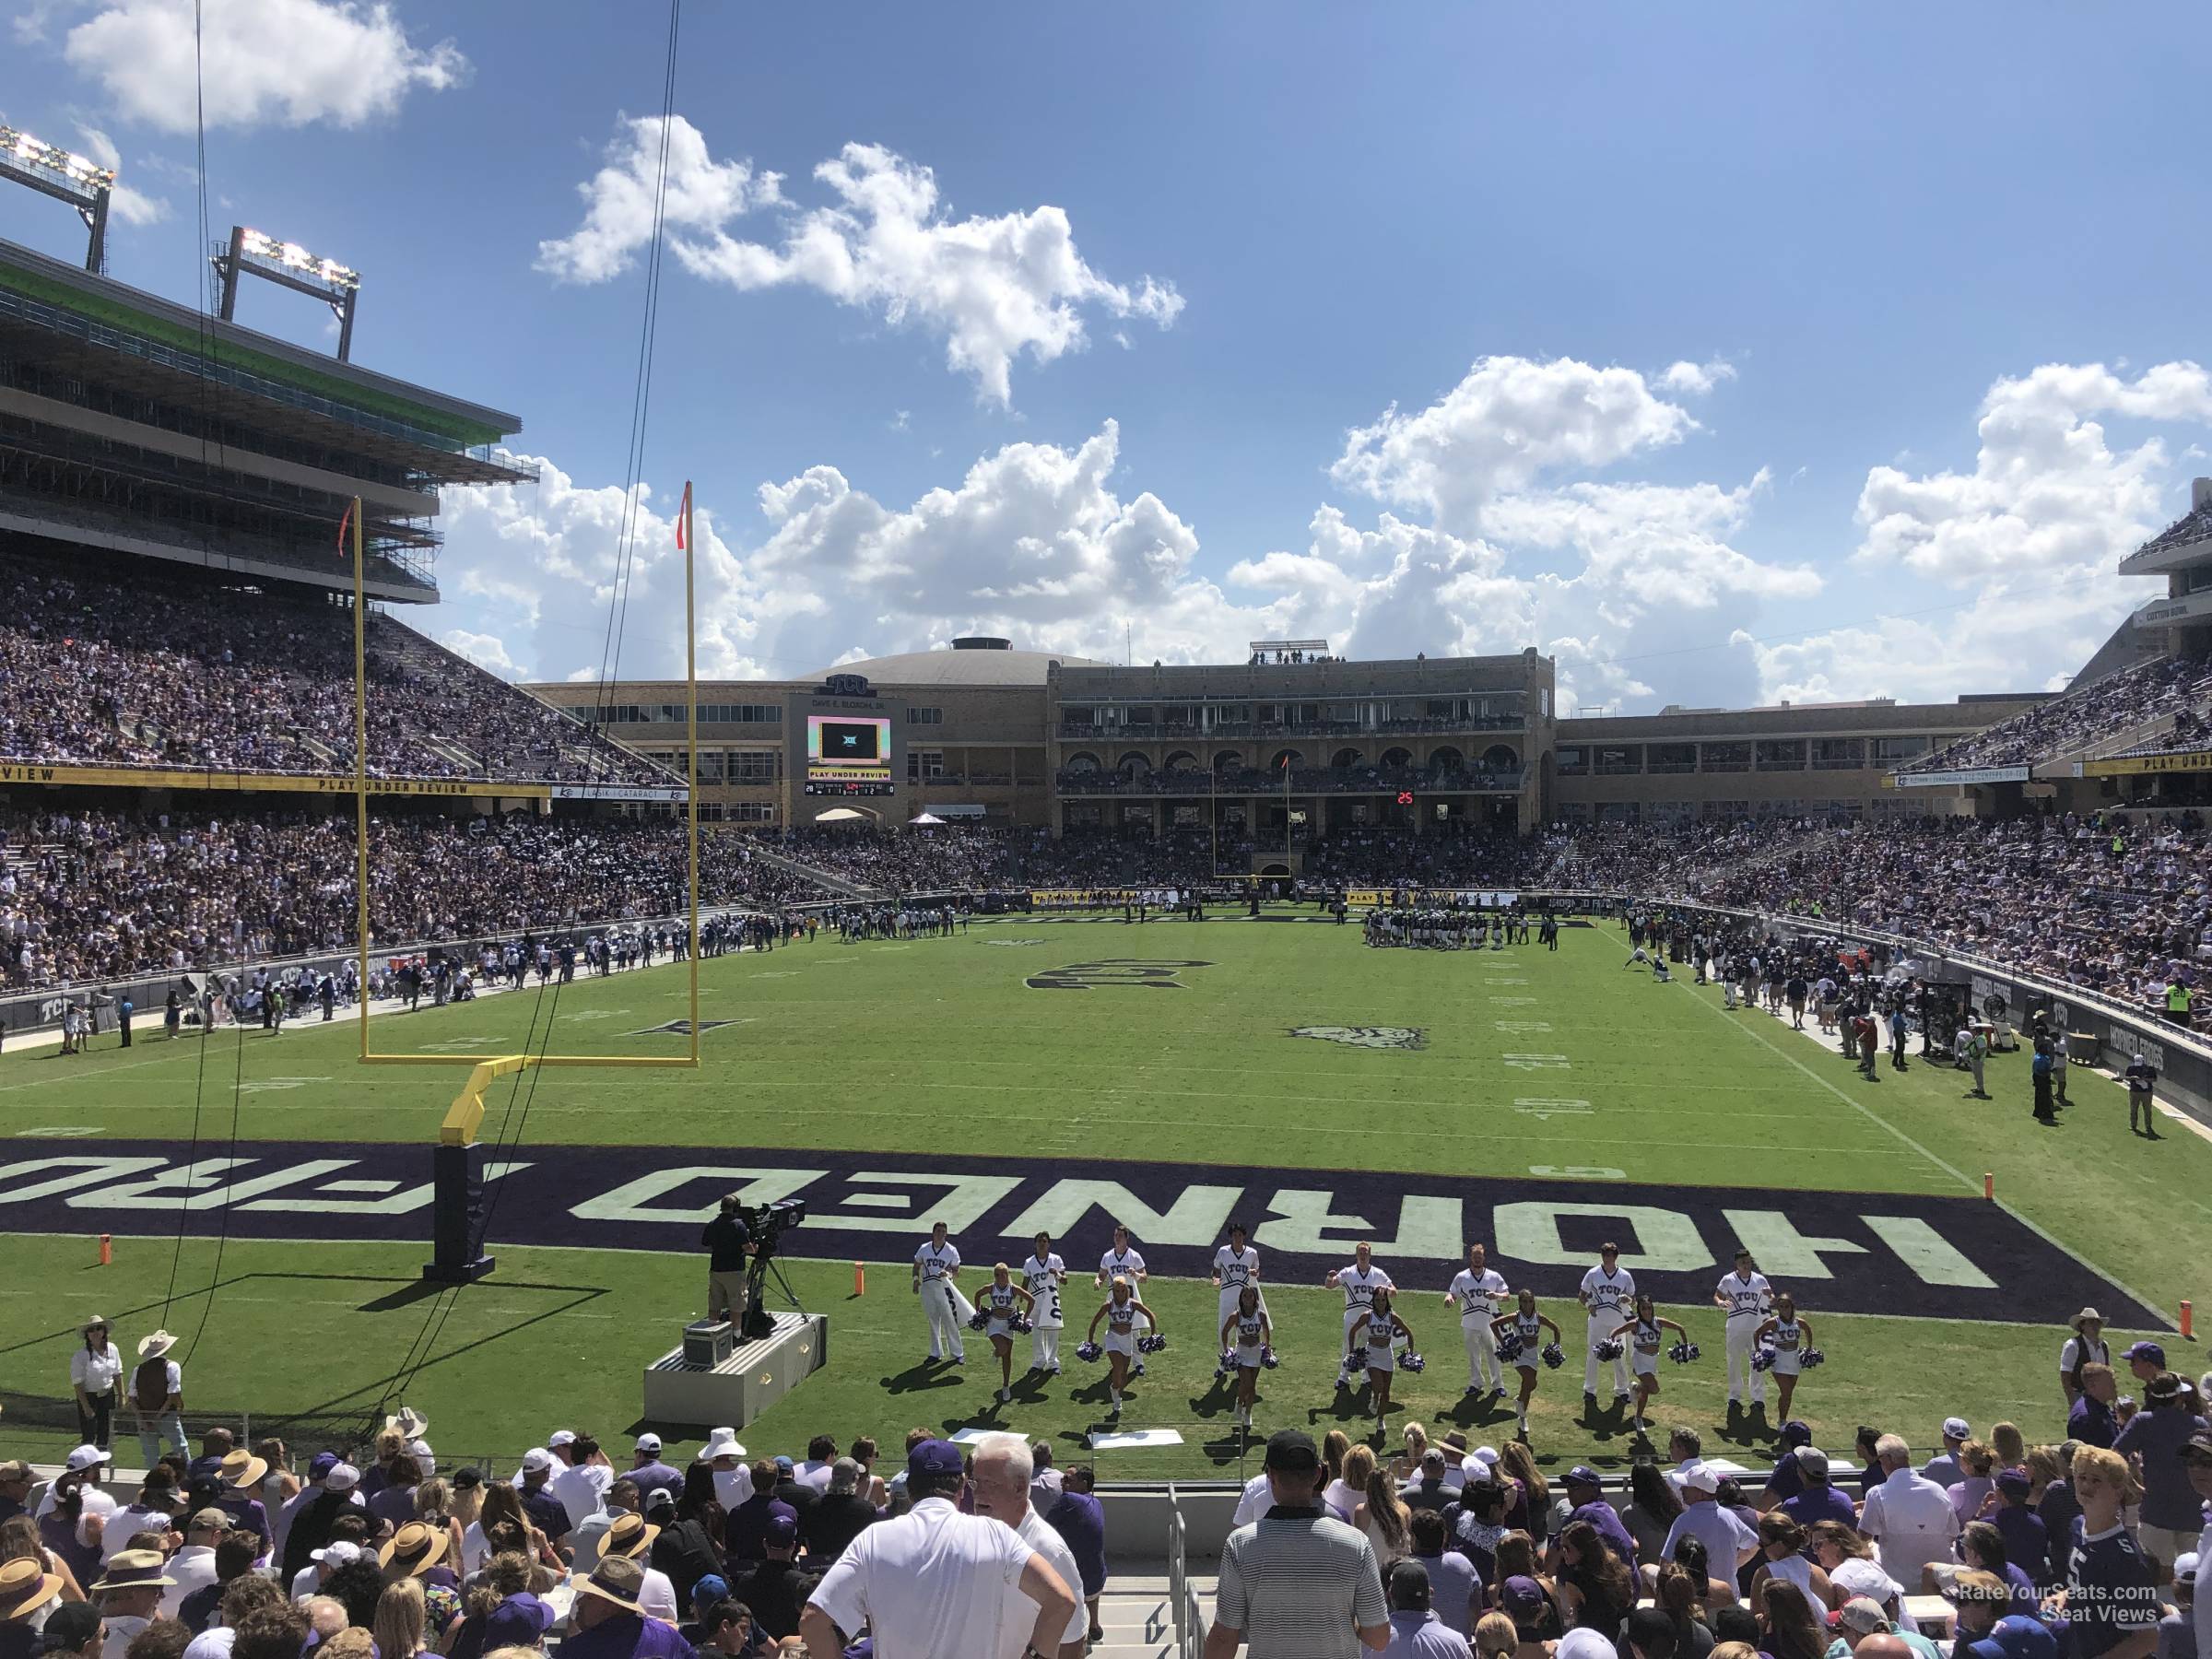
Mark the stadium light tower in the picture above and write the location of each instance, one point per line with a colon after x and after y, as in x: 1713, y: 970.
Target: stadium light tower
x: 52, y: 171
x: 289, y: 265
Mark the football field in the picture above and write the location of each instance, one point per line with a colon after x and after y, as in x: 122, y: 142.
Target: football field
x: 266, y: 1194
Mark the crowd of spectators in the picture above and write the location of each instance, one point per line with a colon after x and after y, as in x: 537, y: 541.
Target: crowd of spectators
x: 381, y: 1551
x: 2118, y: 702
x: 155, y: 672
x: 86, y: 897
x: 2094, y: 1543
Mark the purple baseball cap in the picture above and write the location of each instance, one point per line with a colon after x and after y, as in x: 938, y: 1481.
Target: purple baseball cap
x: 933, y: 1458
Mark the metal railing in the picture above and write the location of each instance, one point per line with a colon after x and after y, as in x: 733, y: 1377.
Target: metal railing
x: 1182, y: 1601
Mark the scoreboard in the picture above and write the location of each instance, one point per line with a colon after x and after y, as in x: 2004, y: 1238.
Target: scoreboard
x: 844, y: 740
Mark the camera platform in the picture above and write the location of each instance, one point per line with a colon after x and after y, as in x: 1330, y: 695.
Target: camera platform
x: 758, y: 1372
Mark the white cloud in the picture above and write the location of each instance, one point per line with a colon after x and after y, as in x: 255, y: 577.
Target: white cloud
x: 281, y: 63
x: 702, y: 195
x: 1508, y: 422
x: 131, y: 207
x: 1696, y: 379
x: 486, y: 651
x: 2046, y: 490
x: 991, y: 288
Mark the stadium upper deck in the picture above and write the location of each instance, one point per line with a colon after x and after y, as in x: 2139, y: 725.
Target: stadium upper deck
x: 131, y: 423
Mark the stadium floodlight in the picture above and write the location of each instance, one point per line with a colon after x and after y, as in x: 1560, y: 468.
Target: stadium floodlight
x: 66, y: 176
x: 289, y: 265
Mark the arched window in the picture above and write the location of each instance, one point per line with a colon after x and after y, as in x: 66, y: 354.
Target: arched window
x: 1182, y: 760
x: 1445, y: 759
x: 1499, y: 756
x: 1084, y: 761
x: 1397, y: 757
x: 1228, y: 760
x: 1275, y: 761
x: 1131, y: 764
x: 1345, y: 757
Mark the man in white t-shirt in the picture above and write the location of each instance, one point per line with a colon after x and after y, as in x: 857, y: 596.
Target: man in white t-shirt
x: 1909, y: 1515
x: 1004, y: 1469
x: 1728, y: 1542
x: 1480, y: 1292
x: 1122, y: 1261
x: 935, y: 1583
x: 1358, y: 1282
x: 937, y: 1267
x: 1745, y: 1295
x: 582, y: 1486
x: 1610, y: 1293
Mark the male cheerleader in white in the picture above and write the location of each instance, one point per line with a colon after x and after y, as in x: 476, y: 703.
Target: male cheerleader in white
x: 1480, y: 1292
x: 1236, y: 1265
x: 936, y: 1265
x: 1746, y: 1296
x: 1122, y: 1262
x: 1041, y: 1276
x: 1608, y: 1293
x: 1358, y: 1282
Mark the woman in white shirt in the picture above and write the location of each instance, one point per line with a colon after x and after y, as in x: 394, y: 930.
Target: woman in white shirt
x: 94, y: 1371
x: 1780, y: 1545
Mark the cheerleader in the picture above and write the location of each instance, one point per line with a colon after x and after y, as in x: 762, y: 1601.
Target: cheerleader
x: 1790, y: 1337
x: 1236, y: 1265
x: 1001, y: 1302
x: 1043, y: 1275
x: 1642, y: 1336
x: 937, y: 1272
x: 1527, y: 1326
x: 1120, y: 1312
x: 1246, y: 1335
x: 1376, y: 1331
x: 1121, y: 1262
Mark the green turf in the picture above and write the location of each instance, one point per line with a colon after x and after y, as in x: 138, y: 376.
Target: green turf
x: 948, y: 1052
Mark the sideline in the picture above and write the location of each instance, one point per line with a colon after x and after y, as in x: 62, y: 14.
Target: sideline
x: 1964, y: 1179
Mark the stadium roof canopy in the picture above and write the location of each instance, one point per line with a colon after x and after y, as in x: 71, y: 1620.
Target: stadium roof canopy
x: 971, y: 662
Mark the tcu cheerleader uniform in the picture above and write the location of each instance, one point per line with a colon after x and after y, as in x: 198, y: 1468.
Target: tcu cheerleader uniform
x: 1746, y: 1299
x: 1123, y: 1264
x: 1529, y: 1328
x: 999, y: 1302
x: 1610, y: 1295
x: 1121, y: 1328
x: 1235, y: 1272
x: 1359, y: 1287
x: 1643, y: 1348
x: 1382, y: 1343
x: 1788, y: 1338
x: 1481, y: 1299
x: 937, y: 1267
x: 1042, y: 1280
x: 1249, y: 1326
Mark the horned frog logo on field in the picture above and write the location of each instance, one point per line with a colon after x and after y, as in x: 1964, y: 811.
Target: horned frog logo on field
x: 1374, y: 1037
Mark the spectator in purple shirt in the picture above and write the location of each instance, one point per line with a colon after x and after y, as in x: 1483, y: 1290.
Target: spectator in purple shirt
x: 394, y: 1502
x: 610, y: 1624
x: 746, y: 1530
x: 242, y: 1474
x: 2092, y: 1421
x: 649, y: 1471
x: 1816, y: 1498
x: 1080, y: 1519
x: 2026, y: 1540
x: 546, y: 1513
x: 1586, y: 1501
x: 2153, y: 1441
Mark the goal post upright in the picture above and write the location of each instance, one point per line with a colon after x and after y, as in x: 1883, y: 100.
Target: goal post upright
x: 458, y: 1172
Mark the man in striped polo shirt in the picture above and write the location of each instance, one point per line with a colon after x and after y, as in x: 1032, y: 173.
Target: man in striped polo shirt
x: 1296, y: 1584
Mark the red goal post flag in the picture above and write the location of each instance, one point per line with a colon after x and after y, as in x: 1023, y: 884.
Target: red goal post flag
x: 683, y: 516
x: 344, y: 524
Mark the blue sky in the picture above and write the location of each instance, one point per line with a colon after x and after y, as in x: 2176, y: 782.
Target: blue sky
x: 1689, y: 320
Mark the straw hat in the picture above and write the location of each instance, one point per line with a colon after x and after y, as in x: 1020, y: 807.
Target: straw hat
x: 242, y: 1468
x: 409, y: 1422
x: 154, y: 1347
x: 134, y: 1570
x: 414, y: 1549
x: 630, y: 1535
x: 616, y: 1580
x: 97, y: 1318
x: 2084, y: 1317
x: 25, y: 1587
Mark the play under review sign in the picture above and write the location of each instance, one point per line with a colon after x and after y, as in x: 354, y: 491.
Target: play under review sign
x: 1856, y: 1252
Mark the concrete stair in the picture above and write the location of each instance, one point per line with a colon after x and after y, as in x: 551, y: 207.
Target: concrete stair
x: 1139, y: 1622
x: 806, y: 872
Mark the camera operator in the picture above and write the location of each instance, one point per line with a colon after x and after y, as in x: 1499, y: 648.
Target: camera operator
x: 728, y: 1241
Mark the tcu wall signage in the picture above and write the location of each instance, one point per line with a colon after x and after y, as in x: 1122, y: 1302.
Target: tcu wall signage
x: 1860, y: 1253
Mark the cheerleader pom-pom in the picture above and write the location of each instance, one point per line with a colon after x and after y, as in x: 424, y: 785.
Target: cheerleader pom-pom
x: 1150, y: 1345
x: 1763, y: 1359
x: 1609, y: 1348
x: 1682, y: 1353
x: 1554, y: 1355
x: 1021, y: 1322
x: 1226, y: 1363
x: 1411, y: 1362
x: 1508, y: 1346
x: 979, y: 1321
x: 1268, y: 1359
x: 1811, y: 1357
x: 1089, y: 1351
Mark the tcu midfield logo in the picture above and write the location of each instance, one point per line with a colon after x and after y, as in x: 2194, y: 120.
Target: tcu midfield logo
x: 1147, y: 973
x: 1374, y: 1037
